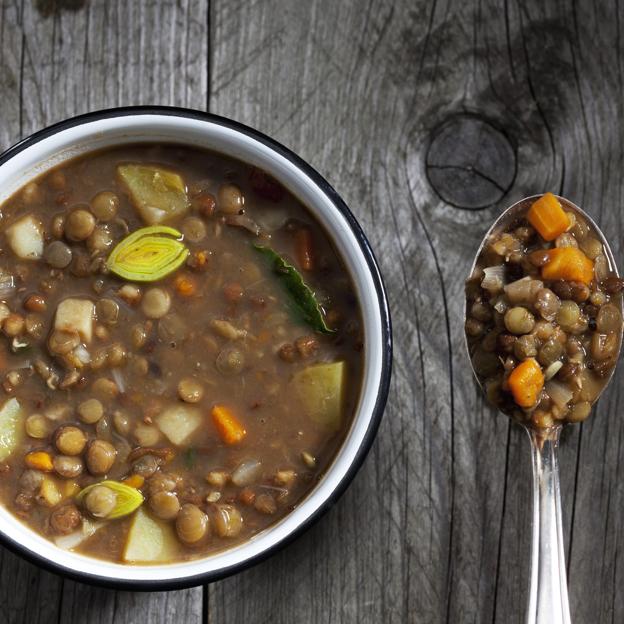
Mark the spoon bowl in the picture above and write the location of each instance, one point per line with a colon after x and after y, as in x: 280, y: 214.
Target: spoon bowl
x: 548, y: 594
x: 507, y: 220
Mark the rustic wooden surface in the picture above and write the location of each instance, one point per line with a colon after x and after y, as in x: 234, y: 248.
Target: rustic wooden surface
x: 487, y: 101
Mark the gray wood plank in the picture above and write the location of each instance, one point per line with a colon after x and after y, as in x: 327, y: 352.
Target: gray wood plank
x: 56, y: 63
x: 82, y: 603
x: 10, y: 70
x: 27, y: 594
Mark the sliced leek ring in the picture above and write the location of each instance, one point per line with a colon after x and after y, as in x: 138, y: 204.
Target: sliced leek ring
x: 128, y: 498
x: 148, y: 255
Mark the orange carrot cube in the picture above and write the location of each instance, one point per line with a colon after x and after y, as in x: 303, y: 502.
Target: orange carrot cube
x: 228, y: 426
x: 548, y: 217
x: 569, y: 264
x: 526, y: 382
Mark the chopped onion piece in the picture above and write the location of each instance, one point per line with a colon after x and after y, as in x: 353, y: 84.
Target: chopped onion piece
x: 494, y: 279
x: 7, y: 285
x: 523, y: 290
x: 246, y: 472
x: 118, y: 379
x: 601, y: 268
x: 552, y: 370
x: 19, y: 344
x: 559, y: 393
x: 500, y: 305
x: 272, y: 218
x: 82, y: 354
x: 241, y: 220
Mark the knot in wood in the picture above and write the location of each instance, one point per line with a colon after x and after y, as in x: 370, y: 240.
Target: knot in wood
x: 470, y: 164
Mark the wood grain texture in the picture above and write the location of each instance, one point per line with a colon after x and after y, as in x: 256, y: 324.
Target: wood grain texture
x: 436, y: 526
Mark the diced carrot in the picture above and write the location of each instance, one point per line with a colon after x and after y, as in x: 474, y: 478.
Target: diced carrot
x: 39, y: 460
x: 229, y: 427
x: 526, y: 382
x: 304, y: 246
x: 135, y: 481
x: 185, y: 285
x: 569, y: 264
x: 548, y: 217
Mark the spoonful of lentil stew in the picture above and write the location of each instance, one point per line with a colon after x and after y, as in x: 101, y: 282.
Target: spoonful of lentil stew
x: 544, y: 330
x: 180, y: 353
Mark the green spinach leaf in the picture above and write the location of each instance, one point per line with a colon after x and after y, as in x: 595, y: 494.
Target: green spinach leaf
x: 301, y: 294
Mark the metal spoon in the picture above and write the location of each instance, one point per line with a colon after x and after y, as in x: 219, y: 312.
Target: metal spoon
x: 548, y: 594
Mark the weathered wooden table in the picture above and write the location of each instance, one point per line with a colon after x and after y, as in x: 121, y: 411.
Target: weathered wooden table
x: 429, y: 118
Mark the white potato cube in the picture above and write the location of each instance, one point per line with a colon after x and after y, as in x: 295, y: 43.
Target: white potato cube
x: 49, y: 492
x: 75, y: 315
x: 178, y: 422
x: 26, y: 238
x: 149, y: 540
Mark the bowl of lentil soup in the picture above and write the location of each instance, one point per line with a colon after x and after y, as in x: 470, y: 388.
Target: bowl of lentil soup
x: 195, y: 341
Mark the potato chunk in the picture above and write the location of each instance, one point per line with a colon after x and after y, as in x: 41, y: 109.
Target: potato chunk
x: 157, y: 193
x: 49, y: 492
x: 179, y: 422
x: 321, y: 390
x: 26, y: 238
x: 75, y: 315
x: 11, y: 427
x: 149, y: 540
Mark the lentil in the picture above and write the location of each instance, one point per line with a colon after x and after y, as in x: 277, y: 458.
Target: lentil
x: 90, y: 411
x: 519, y: 320
x: 165, y: 505
x: 230, y: 199
x: 100, y: 501
x: 100, y: 457
x: 105, y: 206
x: 79, y: 225
x: 70, y: 440
x: 192, y: 524
x: 155, y: 303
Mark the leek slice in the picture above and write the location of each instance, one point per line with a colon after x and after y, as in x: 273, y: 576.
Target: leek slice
x: 149, y: 254
x: 128, y: 498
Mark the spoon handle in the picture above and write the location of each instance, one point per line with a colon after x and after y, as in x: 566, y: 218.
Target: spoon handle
x: 548, y: 599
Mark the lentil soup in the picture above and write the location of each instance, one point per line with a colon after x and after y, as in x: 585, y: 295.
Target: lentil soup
x: 180, y: 355
x: 544, y: 315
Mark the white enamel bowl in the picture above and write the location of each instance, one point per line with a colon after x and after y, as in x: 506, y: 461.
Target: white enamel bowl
x: 93, y: 131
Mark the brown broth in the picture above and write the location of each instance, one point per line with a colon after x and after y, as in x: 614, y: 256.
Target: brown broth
x: 237, y: 285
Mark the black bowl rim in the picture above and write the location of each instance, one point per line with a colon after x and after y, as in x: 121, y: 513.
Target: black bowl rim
x: 386, y: 370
